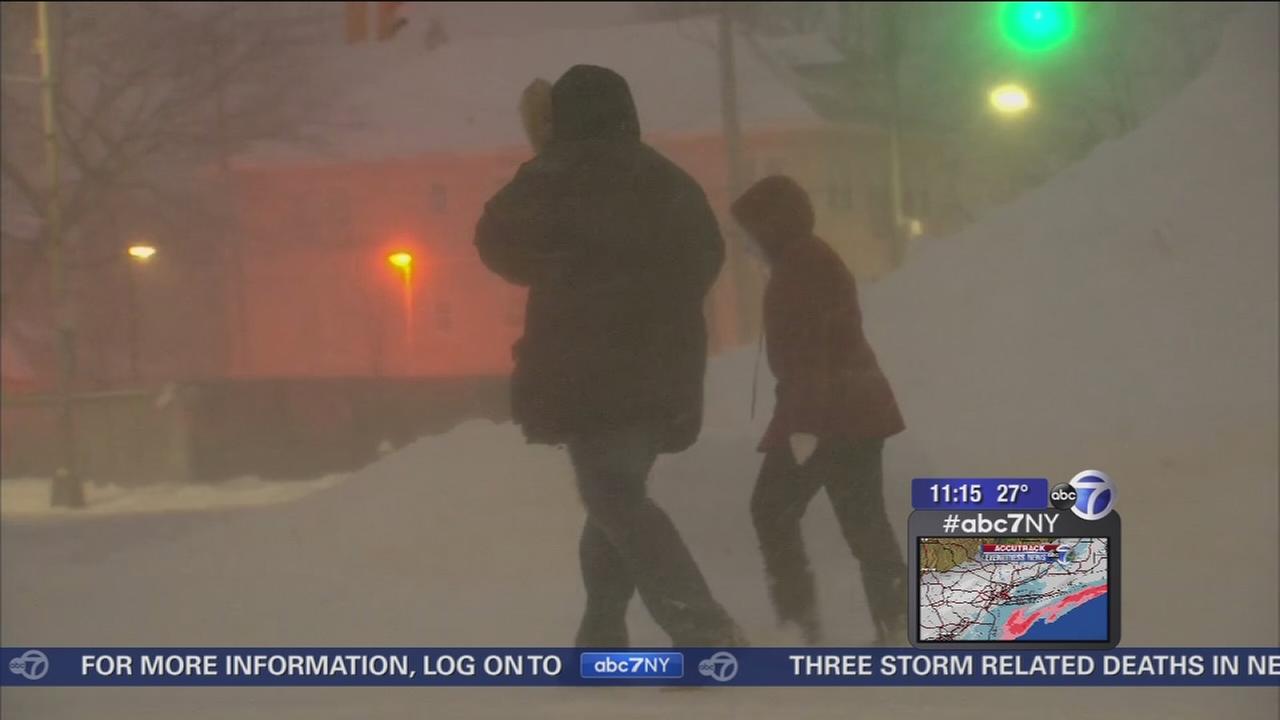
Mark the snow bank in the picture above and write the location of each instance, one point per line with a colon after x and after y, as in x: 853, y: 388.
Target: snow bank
x: 1130, y: 299
x: 1124, y: 317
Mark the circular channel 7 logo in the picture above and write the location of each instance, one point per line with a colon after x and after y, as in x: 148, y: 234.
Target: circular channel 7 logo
x: 31, y: 665
x: 1095, y: 495
x: 721, y: 667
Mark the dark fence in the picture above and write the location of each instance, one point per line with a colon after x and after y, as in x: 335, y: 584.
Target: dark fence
x: 127, y: 437
x: 271, y: 428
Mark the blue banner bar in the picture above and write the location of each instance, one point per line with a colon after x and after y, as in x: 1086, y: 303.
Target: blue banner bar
x: 495, y: 667
x: 980, y: 493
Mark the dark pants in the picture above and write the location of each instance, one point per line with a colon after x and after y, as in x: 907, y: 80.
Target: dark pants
x: 852, y: 475
x: 629, y: 544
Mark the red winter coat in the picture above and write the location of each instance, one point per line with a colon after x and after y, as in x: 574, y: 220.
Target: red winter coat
x: 829, y: 383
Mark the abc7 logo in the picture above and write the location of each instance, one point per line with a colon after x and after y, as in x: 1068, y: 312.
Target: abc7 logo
x: 1090, y: 495
x: 31, y: 665
x: 1063, y: 496
x: 721, y: 667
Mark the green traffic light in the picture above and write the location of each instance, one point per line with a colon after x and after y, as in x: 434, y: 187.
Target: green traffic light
x: 1037, y: 26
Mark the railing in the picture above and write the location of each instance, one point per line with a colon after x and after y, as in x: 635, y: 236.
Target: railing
x: 211, y: 430
x: 123, y: 437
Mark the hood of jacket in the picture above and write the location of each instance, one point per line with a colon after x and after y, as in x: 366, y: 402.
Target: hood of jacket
x: 777, y: 213
x: 590, y: 102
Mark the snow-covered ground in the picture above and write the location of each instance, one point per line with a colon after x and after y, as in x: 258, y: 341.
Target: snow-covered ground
x: 1123, y: 317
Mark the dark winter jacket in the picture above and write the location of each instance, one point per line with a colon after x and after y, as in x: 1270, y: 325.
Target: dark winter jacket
x: 829, y: 383
x: 618, y: 247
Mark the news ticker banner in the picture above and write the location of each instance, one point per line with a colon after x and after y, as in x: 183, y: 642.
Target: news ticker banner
x: 511, y: 666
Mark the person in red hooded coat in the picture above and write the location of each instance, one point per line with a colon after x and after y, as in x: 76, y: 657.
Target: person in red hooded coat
x: 834, y: 410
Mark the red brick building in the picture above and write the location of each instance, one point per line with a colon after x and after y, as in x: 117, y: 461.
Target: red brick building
x: 437, y: 136
x: 298, y: 285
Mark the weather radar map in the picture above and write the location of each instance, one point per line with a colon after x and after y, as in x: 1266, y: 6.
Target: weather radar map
x: 1013, y: 589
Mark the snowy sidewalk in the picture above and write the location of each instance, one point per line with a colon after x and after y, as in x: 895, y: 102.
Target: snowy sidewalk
x: 28, y: 498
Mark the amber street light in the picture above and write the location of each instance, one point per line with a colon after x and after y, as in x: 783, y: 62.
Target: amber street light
x: 142, y: 252
x: 403, y: 261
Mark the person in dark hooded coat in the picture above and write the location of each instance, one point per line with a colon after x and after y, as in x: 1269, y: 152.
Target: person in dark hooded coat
x: 618, y: 248
x: 834, y: 410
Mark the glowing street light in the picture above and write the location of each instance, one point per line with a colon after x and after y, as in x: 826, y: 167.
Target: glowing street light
x: 1010, y: 99
x: 401, y: 260
x: 142, y: 252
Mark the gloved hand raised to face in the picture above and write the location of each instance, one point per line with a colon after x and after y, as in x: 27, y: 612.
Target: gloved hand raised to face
x: 535, y: 113
x: 802, y: 447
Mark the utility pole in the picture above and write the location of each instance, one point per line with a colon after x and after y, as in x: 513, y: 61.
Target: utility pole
x: 729, y: 104
x: 67, y: 490
x: 135, y: 372
x: 237, y: 356
x: 892, y: 56
x: 737, y: 180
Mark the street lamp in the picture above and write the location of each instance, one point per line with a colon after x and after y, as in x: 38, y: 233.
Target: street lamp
x: 142, y: 252
x: 403, y: 261
x: 1010, y: 99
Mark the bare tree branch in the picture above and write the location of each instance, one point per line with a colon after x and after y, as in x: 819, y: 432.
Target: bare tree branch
x: 14, y: 175
x: 137, y: 100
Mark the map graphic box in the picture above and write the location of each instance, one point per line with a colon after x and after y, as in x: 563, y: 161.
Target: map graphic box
x: 1013, y: 589
x: 1022, y: 580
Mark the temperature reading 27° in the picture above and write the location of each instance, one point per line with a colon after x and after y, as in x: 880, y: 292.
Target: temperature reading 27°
x: 1008, y: 493
x: 980, y: 493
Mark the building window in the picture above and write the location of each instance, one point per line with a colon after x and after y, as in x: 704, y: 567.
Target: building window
x: 439, y: 198
x: 444, y: 316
